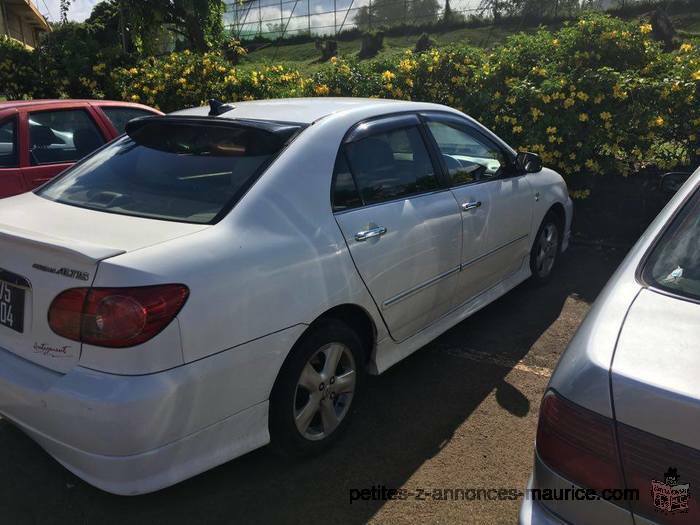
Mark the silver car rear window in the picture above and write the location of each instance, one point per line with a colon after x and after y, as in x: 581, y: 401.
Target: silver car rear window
x: 171, y: 170
x: 674, y: 263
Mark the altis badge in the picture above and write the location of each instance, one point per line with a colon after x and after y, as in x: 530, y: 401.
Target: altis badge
x: 65, y: 272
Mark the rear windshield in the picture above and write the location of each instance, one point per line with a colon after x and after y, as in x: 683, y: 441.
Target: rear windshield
x: 188, y: 172
x: 674, y: 264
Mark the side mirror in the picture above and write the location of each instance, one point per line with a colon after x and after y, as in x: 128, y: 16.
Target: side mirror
x: 528, y: 162
x: 671, y: 182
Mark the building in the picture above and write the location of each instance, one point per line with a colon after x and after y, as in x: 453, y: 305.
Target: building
x: 22, y: 21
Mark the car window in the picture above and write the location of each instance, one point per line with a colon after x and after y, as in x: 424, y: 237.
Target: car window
x: 674, y: 264
x: 467, y: 156
x: 120, y: 116
x: 391, y: 165
x: 8, y: 144
x: 62, y: 136
x: 345, y: 193
x: 180, y: 171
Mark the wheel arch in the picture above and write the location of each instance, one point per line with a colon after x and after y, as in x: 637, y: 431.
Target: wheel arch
x: 358, y: 319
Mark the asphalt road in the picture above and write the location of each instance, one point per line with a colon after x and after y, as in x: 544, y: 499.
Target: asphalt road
x: 460, y: 413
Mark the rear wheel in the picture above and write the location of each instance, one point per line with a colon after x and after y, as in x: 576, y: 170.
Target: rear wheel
x: 545, y: 251
x: 312, y: 399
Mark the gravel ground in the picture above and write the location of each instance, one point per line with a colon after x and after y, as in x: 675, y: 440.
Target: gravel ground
x: 461, y: 413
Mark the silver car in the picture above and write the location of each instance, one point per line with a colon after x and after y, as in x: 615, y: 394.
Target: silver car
x: 619, y: 435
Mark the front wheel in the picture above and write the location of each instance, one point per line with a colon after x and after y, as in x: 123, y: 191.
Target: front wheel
x: 545, y: 251
x: 311, y: 402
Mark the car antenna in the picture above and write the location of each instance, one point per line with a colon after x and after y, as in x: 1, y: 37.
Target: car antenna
x: 216, y: 107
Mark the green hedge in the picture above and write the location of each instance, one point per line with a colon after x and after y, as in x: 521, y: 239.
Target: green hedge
x: 597, y: 96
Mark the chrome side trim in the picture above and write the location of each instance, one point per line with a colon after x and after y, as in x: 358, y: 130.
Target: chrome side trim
x: 403, y: 295
x: 477, y: 259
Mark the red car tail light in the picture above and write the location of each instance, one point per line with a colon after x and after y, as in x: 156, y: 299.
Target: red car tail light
x: 115, y: 317
x: 578, y: 444
x: 665, y: 472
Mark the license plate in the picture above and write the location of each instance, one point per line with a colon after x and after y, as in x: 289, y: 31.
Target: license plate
x: 12, y: 306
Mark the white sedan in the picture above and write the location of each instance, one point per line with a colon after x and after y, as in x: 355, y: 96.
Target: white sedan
x: 221, y: 278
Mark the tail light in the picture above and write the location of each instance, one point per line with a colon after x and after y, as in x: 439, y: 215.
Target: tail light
x: 116, y: 317
x: 666, y: 473
x: 578, y: 444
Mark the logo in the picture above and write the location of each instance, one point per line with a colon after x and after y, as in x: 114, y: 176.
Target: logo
x: 65, y: 272
x: 670, y: 495
x: 51, y: 351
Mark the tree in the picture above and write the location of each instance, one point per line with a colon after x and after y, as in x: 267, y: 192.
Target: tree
x: 198, y: 22
x: 423, y: 11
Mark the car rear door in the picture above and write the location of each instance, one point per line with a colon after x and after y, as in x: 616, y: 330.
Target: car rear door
x: 496, y: 203
x: 655, y: 378
x: 402, y: 226
x: 57, y: 138
x: 116, y: 117
x: 11, y: 182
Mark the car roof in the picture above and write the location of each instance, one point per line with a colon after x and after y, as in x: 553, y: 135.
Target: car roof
x: 64, y: 102
x: 301, y: 110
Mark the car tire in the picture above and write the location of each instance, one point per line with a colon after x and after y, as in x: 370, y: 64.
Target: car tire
x: 312, y: 400
x: 546, y: 249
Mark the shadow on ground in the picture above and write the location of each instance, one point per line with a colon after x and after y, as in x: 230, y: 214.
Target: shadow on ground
x: 406, y: 417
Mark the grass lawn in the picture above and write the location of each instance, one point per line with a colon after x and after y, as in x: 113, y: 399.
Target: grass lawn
x: 306, y: 55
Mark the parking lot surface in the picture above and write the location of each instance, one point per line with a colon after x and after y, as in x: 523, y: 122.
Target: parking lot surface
x: 461, y: 413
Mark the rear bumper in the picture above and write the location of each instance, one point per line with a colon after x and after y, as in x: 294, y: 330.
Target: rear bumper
x: 534, y: 513
x: 558, y: 510
x: 137, y: 434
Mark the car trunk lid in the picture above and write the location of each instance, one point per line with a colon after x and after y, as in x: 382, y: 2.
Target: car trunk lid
x: 656, y: 396
x: 46, y: 248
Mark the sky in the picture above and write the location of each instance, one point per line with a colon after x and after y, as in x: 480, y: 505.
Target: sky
x: 269, y: 11
x: 79, y: 10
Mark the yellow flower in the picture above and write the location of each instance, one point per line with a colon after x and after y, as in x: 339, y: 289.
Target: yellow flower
x: 696, y: 75
x: 322, y: 89
x: 555, y: 42
x: 605, y: 115
x: 388, y: 76
x: 658, y: 121
x: 546, y: 99
x: 645, y: 29
x: 536, y: 113
x: 569, y: 102
x: 517, y: 129
x: 406, y: 65
x: 583, y: 117
x: 598, y: 99
x: 551, y: 130
x: 686, y: 48
x: 510, y: 100
x: 592, y: 165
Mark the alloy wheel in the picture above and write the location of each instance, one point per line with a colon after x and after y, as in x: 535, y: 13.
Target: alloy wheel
x: 324, y: 391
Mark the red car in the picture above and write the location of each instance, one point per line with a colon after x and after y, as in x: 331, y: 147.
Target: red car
x: 41, y: 138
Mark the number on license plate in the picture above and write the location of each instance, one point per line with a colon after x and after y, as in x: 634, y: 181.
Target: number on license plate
x: 11, y: 306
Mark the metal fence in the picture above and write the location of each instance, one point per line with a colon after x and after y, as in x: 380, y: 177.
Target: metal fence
x: 286, y: 18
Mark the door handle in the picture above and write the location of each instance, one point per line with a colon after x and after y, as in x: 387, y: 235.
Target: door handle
x: 471, y: 205
x: 363, y: 235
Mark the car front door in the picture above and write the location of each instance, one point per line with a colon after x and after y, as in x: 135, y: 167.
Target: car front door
x: 496, y: 202
x: 401, y: 224
x: 57, y: 139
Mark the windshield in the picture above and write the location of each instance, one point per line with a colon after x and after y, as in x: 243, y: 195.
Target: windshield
x: 188, y: 172
x: 674, y: 264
